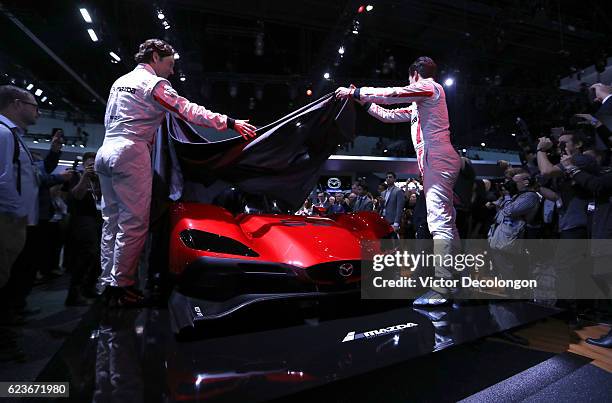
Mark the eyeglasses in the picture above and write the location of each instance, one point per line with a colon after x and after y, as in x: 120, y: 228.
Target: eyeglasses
x: 29, y: 103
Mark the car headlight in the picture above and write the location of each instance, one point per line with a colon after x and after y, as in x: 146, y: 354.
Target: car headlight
x: 209, y: 242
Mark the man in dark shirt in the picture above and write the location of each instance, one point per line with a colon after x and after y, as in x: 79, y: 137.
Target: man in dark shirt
x: 84, y: 231
x: 572, y: 206
x: 601, y: 230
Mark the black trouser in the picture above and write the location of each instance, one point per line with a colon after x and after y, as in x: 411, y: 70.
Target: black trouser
x: 569, y: 261
x: 50, y: 248
x: 84, y: 239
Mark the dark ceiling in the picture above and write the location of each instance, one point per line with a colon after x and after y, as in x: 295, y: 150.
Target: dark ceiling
x: 515, y: 48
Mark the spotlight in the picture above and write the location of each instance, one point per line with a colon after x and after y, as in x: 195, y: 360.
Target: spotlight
x: 308, y: 92
x: 38, y: 92
x: 513, y: 134
x: 385, y: 151
x: 341, y: 50
x: 259, y: 92
x: 182, y: 77
x: 177, y: 56
x: 50, y: 103
x: 114, y: 56
x: 92, y: 35
x: 85, y: 15
x: 355, y: 32
x: 167, y: 27
x: 233, y: 90
x: 361, y: 9
x: 483, y: 144
x: 326, y: 76
x: 81, y: 145
x: 464, y: 150
x: 449, y: 82
x: 259, y: 44
x: 160, y: 15
x: 369, y: 7
x: 29, y: 87
x: 43, y: 99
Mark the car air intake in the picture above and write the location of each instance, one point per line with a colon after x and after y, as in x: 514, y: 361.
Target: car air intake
x: 208, y: 242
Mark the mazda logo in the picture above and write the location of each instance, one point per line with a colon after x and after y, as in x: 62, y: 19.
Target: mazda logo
x: 334, y: 183
x: 346, y: 269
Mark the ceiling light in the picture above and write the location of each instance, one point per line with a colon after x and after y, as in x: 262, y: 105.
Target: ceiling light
x: 449, y: 82
x: 177, y: 56
x: 483, y: 144
x: 92, y: 35
x: 167, y: 27
x: 50, y: 103
x: 85, y: 15
x: 361, y: 9
x: 341, y: 50
x: 160, y: 15
x: 43, y: 99
x: 182, y: 77
x: 369, y: 7
x: 38, y: 92
x: 29, y: 87
x: 326, y: 76
x: 114, y: 56
x: 309, y: 92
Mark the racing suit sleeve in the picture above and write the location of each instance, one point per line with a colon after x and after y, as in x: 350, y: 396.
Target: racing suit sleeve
x: 397, y: 115
x: 418, y: 91
x: 167, y: 98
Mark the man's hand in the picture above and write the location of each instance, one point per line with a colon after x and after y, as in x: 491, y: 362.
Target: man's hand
x: 589, y: 119
x: 601, y: 91
x: 245, y: 129
x: 56, y: 142
x: 567, y: 161
x: 89, y: 171
x: 66, y: 175
x: 343, y: 92
x: 544, y: 144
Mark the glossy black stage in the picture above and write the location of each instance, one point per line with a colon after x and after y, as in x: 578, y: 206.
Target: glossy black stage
x: 132, y: 355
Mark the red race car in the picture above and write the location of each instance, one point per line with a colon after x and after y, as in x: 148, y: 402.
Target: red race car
x: 225, y: 259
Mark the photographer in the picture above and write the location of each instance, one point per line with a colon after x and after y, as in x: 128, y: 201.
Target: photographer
x: 601, y: 229
x: 516, y: 209
x: 572, y: 206
x: 84, y: 231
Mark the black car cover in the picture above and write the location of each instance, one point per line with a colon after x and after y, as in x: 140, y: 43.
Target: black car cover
x: 282, y: 162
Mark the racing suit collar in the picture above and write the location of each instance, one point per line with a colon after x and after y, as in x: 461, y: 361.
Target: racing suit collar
x: 146, y: 67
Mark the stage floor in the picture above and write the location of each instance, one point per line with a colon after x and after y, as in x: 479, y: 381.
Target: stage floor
x: 132, y: 355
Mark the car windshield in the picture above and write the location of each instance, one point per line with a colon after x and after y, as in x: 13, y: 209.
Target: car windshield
x: 238, y: 202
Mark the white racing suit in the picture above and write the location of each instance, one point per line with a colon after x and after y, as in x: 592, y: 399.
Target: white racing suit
x: 438, y: 161
x: 136, y: 107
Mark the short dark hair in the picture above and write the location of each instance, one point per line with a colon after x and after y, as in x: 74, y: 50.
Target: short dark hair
x: 391, y: 173
x: 88, y: 155
x: 146, y: 49
x: 383, y: 184
x: 9, y: 93
x: 55, y: 130
x: 425, y: 66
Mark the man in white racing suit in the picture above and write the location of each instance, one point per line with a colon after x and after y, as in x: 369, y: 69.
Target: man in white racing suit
x: 437, y: 159
x: 137, y: 104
